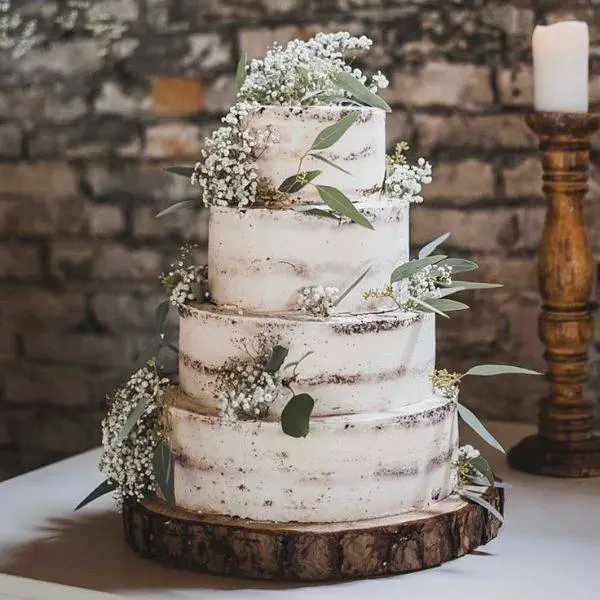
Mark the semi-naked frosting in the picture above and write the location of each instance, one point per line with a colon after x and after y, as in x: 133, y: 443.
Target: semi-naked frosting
x: 260, y: 259
x: 349, y: 468
x: 357, y: 363
x: 292, y: 131
x: 381, y: 442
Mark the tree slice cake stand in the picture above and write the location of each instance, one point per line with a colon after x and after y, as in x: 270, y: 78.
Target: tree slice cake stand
x: 310, y: 551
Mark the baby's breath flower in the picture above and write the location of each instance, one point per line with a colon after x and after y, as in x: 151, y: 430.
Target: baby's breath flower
x: 405, y: 182
x: 446, y: 383
x: 303, y: 71
x: 186, y: 282
x: 245, y: 390
x: 128, y: 463
x: 464, y: 467
x: 318, y: 300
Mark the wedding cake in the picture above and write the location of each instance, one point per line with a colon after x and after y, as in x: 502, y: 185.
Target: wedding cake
x: 307, y: 391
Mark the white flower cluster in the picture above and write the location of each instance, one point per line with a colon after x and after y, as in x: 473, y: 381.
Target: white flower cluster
x: 446, y: 383
x: 128, y: 463
x: 302, y: 72
x: 227, y: 173
x: 186, y: 282
x: 467, y: 452
x: 246, y: 391
x: 318, y: 300
x: 405, y: 182
x: 426, y: 281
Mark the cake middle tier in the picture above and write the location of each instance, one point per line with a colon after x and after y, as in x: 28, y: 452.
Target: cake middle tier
x: 351, y: 364
x: 260, y: 259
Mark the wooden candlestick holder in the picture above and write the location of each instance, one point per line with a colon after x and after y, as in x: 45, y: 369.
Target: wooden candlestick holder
x: 565, y: 445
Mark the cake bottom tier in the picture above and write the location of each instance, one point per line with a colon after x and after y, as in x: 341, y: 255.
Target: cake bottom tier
x: 348, y: 468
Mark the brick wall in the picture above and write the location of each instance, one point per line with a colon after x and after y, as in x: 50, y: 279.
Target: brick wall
x: 83, y: 140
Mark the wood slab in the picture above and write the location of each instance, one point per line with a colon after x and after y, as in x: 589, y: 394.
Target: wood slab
x: 309, y: 551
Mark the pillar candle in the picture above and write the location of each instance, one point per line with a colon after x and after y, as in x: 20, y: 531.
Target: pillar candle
x: 560, y: 67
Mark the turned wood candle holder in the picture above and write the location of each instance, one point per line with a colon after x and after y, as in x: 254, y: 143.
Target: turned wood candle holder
x: 565, y: 445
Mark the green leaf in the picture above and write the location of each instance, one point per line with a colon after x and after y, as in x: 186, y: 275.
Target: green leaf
x: 278, y: 356
x: 474, y: 285
x: 330, y: 135
x: 164, y: 471
x: 489, y: 370
x: 333, y: 99
x: 413, y: 266
x: 104, y: 488
x: 429, y: 248
x: 330, y: 163
x: 358, y: 90
x: 176, y: 208
x: 303, y: 72
x: 482, y: 466
x: 447, y: 305
x: 428, y: 307
x: 160, y: 314
x: 295, y: 417
x: 295, y: 183
x: 474, y: 423
x: 307, y: 209
x: 351, y: 286
x: 477, y: 499
x: 149, y: 351
x: 132, y: 418
x: 182, y: 171
x: 449, y: 291
x: 459, y: 265
x: 340, y: 203
x: 240, y: 74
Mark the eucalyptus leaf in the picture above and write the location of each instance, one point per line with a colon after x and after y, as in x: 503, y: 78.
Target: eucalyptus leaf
x: 474, y: 285
x: 133, y: 417
x: 164, y: 471
x: 489, y: 370
x: 459, y: 265
x: 432, y: 246
x: 480, y: 481
x: 413, y: 266
x: 332, y: 99
x: 176, y: 208
x: 350, y: 287
x: 182, y: 171
x: 428, y: 307
x: 482, y: 466
x: 315, y: 212
x: 360, y: 91
x: 104, y: 488
x: 296, y: 182
x: 447, y: 305
x: 478, y: 499
x: 149, y: 351
x: 160, y: 314
x: 340, y: 203
x: 303, y: 72
x: 330, y: 135
x: 276, y: 360
x: 240, y: 74
x: 474, y: 423
x: 329, y: 162
x: 449, y: 291
x: 295, y: 417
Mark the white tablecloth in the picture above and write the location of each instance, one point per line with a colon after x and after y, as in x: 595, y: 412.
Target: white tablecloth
x: 549, y: 546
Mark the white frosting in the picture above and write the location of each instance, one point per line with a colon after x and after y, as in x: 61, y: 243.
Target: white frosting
x: 259, y: 259
x: 348, y: 468
x: 360, y: 151
x: 359, y: 363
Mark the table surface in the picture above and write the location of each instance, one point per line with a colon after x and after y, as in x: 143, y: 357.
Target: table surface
x: 548, y: 548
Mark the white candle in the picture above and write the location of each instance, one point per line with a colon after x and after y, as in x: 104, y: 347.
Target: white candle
x: 560, y: 67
